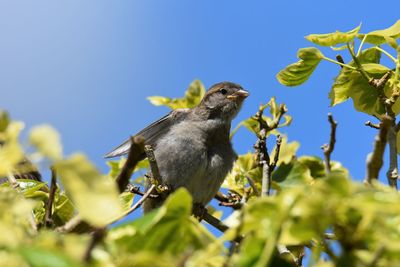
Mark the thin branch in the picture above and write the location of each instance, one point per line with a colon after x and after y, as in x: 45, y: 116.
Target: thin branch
x: 97, y: 237
x: 137, y: 204
x: 70, y: 225
x: 135, y: 155
x: 328, y: 148
x: 373, y: 125
x: 392, y: 174
x: 277, y: 151
x: 375, y: 159
x: 48, y: 221
x: 136, y: 190
x: 339, y: 58
x: 214, y: 222
x: 155, y: 177
x: 253, y: 185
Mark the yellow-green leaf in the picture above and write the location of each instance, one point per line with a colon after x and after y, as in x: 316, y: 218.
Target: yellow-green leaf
x: 192, y: 98
x: 47, y: 141
x: 95, y: 195
x: 334, y: 38
x: 299, y: 72
x: 378, y: 37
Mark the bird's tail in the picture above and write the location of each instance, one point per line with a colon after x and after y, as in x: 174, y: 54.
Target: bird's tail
x: 119, y: 150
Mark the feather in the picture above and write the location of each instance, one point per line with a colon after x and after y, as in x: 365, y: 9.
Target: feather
x: 151, y: 133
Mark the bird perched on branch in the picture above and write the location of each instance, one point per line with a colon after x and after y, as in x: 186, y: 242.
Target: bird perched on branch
x: 192, y: 146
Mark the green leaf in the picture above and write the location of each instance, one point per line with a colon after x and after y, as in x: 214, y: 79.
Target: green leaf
x: 236, y: 179
x: 4, y: 120
x: 378, y: 37
x: 334, y: 38
x: 167, y: 229
x: 292, y: 174
x: 63, y: 209
x: 192, y: 98
x: 351, y: 84
x: 95, y: 195
x: 30, y: 187
x: 299, y: 72
x: 37, y: 257
x: 47, y: 141
x: 10, y: 152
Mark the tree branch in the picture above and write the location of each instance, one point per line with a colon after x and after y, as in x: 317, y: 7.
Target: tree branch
x: 134, y: 156
x: 372, y: 125
x: 375, y: 159
x: 48, y: 221
x: 155, y: 177
x: 97, y: 237
x: 328, y: 148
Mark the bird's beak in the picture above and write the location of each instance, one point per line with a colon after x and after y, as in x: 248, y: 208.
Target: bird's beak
x: 241, y: 94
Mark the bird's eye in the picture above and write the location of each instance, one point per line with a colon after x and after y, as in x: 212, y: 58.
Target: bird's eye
x: 223, y: 91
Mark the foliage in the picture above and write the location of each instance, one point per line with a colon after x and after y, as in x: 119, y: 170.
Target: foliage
x: 313, y: 210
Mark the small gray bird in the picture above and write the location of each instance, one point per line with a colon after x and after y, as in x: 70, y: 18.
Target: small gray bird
x: 192, y: 146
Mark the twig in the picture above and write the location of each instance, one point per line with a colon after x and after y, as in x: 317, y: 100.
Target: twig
x: 155, y: 177
x: 253, y: 185
x: 136, y: 190
x: 135, y: 155
x: 373, y: 125
x: 70, y: 225
x: 221, y: 197
x: 328, y: 148
x: 392, y: 174
x: 339, y: 58
x: 360, y: 68
x: 97, y: 236
x: 375, y: 159
x: 277, y: 151
x: 48, y: 221
x: 214, y: 222
x: 137, y: 204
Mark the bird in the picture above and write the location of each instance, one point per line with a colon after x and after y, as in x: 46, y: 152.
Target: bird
x: 192, y: 146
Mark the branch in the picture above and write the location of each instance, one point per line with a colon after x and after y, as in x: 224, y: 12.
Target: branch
x: 135, y: 190
x: 253, y: 185
x: 373, y: 125
x: 97, y: 237
x: 277, y: 151
x: 134, y: 156
x: 375, y: 159
x: 339, y: 58
x: 48, y: 221
x: 328, y: 148
x: 137, y: 204
x: 214, y: 222
x: 155, y: 177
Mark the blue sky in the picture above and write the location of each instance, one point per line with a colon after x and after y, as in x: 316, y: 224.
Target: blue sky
x: 86, y: 67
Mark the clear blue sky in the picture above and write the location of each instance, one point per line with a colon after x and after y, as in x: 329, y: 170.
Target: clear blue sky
x: 86, y: 67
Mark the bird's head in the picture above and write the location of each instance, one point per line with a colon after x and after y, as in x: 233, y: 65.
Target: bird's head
x: 224, y: 100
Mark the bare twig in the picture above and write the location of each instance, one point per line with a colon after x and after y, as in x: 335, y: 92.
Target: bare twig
x: 155, y: 177
x: 340, y: 59
x: 70, y: 225
x: 136, y: 190
x: 277, y: 151
x: 135, y: 155
x: 137, y: 204
x: 392, y: 174
x: 48, y: 221
x: 373, y: 125
x: 328, y: 148
x: 253, y: 185
x: 375, y: 159
x: 97, y: 236
x: 214, y: 222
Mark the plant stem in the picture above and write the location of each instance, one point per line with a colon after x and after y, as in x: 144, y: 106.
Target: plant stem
x: 358, y: 64
x: 361, y: 45
x: 339, y: 63
x: 386, y: 53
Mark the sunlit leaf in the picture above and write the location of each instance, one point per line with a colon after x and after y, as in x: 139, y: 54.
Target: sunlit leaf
x: 4, y: 120
x: 10, y: 151
x: 351, y: 84
x: 378, y: 37
x: 37, y: 257
x: 299, y: 72
x: 192, y: 98
x: 47, y: 141
x: 334, y: 38
x: 95, y: 195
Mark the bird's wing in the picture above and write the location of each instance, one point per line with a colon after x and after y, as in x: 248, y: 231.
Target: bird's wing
x: 151, y: 133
